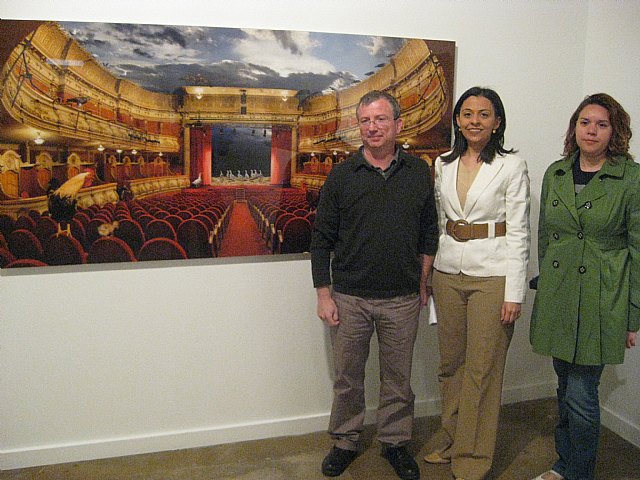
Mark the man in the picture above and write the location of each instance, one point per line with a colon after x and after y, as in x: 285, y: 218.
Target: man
x: 377, y: 215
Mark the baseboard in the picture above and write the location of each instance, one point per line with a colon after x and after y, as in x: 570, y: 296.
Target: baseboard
x: 524, y: 393
x: 611, y: 420
x: 166, y: 441
x: 63, y: 453
x: 620, y: 426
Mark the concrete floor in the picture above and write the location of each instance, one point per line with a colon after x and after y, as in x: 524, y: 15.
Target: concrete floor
x: 525, y: 449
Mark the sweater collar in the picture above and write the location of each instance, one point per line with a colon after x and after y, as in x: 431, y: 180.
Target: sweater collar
x: 610, y: 168
x: 361, y: 161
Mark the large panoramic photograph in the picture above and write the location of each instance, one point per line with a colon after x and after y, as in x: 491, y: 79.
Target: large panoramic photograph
x: 125, y: 142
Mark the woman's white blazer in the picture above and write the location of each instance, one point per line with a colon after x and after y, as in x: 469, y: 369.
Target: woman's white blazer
x: 499, y: 193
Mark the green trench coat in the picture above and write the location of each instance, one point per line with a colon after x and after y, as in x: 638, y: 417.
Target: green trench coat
x: 588, y: 293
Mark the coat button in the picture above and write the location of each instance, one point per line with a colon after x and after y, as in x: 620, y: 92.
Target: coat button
x: 556, y: 236
x: 582, y: 269
x: 587, y: 205
x: 554, y: 203
x: 555, y: 264
x: 580, y: 235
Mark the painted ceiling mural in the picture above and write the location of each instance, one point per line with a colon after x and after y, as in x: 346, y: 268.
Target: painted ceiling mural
x: 163, y: 58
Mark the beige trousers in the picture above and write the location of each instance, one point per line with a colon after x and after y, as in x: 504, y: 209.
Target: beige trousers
x: 473, y: 349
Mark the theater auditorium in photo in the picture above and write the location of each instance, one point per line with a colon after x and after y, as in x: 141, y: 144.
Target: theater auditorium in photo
x: 98, y: 164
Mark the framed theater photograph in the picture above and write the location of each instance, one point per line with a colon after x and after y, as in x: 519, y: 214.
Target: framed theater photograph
x: 130, y: 142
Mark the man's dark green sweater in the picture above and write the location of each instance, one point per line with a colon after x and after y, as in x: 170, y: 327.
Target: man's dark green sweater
x: 376, y: 227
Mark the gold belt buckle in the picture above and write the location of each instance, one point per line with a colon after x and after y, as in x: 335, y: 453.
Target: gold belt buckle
x: 456, y: 224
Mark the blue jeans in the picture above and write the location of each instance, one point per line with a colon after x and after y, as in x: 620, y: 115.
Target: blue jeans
x: 578, y: 429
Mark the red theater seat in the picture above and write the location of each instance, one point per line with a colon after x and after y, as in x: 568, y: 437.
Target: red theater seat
x: 161, y: 249
x: 35, y: 215
x: 193, y: 237
x: 207, y: 221
x: 174, y: 220
x: 79, y: 233
x: 296, y: 236
x: 7, y: 224
x: 45, y: 227
x: 24, y: 244
x: 25, y: 222
x: 110, y: 250
x: 91, y: 230
x: 83, y: 218
x: 212, y: 214
x: 63, y: 250
x: 144, y: 220
x: 270, y: 220
x: 131, y: 232
x: 6, y: 257
x: 26, y: 262
x: 276, y: 228
x: 159, y: 229
x: 311, y: 216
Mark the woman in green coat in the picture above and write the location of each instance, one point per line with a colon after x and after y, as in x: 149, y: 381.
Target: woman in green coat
x: 587, y: 306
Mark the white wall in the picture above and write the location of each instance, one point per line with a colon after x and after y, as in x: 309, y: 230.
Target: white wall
x: 117, y: 360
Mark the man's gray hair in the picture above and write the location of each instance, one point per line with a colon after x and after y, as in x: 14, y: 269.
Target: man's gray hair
x: 374, y: 95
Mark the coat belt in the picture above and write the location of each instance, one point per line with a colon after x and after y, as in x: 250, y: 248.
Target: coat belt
x: 461, y: 230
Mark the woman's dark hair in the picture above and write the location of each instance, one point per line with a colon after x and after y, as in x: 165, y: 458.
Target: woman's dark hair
x: 496, y: 142
x: 620, y: 126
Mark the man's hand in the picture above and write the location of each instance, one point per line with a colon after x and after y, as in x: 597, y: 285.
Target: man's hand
x: 425, y: 274
x: 327, y: 310
x: 425, y: 293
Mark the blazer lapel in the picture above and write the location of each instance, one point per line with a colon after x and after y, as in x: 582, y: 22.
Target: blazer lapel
x: 450, y: 180
x: 486, y: 174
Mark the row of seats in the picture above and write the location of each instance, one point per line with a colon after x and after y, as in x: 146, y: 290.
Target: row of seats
x: 165, y: 228
x: 66, y: 250
x: 285, y: 220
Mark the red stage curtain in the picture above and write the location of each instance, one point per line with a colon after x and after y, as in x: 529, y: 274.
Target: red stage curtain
x: 201, y: 154
x: 280, y: 156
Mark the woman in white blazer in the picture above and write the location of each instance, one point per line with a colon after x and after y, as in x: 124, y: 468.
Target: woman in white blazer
x: 479, y: 279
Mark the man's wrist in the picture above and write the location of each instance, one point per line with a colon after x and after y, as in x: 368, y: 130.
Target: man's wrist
x: 324, y: 291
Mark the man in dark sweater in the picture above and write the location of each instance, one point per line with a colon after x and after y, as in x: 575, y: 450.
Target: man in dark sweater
x: 377, y: 215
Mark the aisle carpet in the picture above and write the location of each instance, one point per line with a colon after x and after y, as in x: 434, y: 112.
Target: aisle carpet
x: 242, y: 237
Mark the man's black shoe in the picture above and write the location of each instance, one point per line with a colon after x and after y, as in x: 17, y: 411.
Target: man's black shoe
x: 402, y: 462
x: 337, y: 461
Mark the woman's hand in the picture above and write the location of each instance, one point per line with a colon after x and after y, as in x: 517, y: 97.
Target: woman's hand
x: 631, y: 339
x: 510, y: 312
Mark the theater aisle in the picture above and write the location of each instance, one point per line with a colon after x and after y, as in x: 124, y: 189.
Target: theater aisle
x: 242, y: 237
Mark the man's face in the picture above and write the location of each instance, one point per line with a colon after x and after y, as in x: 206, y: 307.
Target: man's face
x: 378, y: 128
